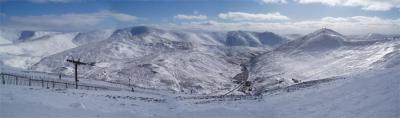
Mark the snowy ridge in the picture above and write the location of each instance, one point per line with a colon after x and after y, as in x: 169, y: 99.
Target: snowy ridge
x: 25, y: 54
x: 92, y: 36
x: 332, y: 56
x: 8, y: 36
x: 318, y: 41
x: 254, y: 39
x: 34, y: 35
x: 25, y: 48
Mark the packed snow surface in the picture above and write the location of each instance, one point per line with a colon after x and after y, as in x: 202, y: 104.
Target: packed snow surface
x: 373, y: 94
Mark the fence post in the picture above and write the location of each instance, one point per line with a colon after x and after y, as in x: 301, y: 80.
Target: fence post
x: 66, y: 85
x: 42, y: 83
x: 16, y: 80
x: 53, y: 83
x: 29, y: 81
x: 2, y: 76
x: 47, y: 84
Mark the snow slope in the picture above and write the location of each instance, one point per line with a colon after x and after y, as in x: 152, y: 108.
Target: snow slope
x: 4, y: 41
x: 25, y: 48
x: 8, y: 36
x: 92, y: 36
x: 318, y: 41
x: 318, y: 55
x: 25, y: 53
x: 372, y: 94
x: 33, y: 35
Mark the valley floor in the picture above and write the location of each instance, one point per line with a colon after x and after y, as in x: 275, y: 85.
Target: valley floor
x: 369, y: 95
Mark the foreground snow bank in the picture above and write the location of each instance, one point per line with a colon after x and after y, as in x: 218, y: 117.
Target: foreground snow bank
x: 369, y: 95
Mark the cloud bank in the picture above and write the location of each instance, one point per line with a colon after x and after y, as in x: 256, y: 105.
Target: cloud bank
x: 274, y: 1
x: 373, y: 5
x: 345, y: 25
x: 190, y: 17
x: 69, y: 21
x: 243, y: 16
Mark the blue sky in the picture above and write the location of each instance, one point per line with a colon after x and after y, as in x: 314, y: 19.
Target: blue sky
x: 282, y: 16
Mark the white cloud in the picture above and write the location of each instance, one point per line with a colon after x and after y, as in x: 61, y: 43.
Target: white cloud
x: 190, y: 17
x: 69, y: 21
x: 373, y: 5
x: 345, y: 25
x: 274, y: 1
x: 242, y: 16
x: 53, y: 1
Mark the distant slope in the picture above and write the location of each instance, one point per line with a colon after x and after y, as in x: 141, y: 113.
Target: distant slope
x: 8, y: 35
x: 26, y: 53
x: 92, y: 36
x: 321, y: 54
x: 318, y: 41
x: 4, y: 41
x: 25, y: 48
x: 254, y: 39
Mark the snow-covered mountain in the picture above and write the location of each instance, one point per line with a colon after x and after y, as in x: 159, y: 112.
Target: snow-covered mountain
x: 22, y: 49
x: 374, y: 37
x: 34, y: 35
x: 4, y: 41
x: 254, y: 39
x: 293, y: 36
x: 197, y: 61
x: 92, y: 36
x: 201, y: 61
x: 8, y: 36
x: 318, y: 55
x: 318, y: 41
x: 27, y: 51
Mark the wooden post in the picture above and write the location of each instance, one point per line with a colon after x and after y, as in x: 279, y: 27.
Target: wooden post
x: 16, y: 80
x: 42, y: 83
x: 66, y: 85
x: 29, y: 82
x: 4, y: 81
x: 53, y: 83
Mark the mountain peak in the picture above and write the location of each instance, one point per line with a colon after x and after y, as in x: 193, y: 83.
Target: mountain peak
x: 326, y: 31
x: 320, y: 40
x: 253, y: 39
x: 30, y: 34
x: 139, y: 30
